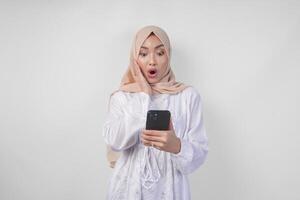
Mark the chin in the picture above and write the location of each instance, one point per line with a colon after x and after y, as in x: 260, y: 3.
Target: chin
x: 152, y: 81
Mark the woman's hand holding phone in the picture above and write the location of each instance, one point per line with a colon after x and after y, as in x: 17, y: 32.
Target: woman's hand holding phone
x: 165, y: 140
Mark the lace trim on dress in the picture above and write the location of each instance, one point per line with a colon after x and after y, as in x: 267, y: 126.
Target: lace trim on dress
x: 150, y: 173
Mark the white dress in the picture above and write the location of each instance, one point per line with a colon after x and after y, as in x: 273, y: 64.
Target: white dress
x: 147, y: 173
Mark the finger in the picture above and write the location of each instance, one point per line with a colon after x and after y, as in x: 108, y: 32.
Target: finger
x: 146, y: 142
x: 154, y: 133
x: 157, y: 145
x: 145, y: 130
x: 149, y: 132
x: 171, y: 124
x: 152, y: 138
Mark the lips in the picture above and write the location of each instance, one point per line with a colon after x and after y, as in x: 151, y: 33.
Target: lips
x: 151, y: 73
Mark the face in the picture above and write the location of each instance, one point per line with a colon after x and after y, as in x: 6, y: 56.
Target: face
x: 153, y: 59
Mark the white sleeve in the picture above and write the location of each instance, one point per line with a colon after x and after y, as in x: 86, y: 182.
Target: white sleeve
x: 194, y: 144
x: 121, y: 128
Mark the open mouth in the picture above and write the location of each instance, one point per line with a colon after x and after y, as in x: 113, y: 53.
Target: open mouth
x: 152, y: 73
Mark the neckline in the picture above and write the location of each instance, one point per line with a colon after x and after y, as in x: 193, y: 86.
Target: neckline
x: 154, y: 95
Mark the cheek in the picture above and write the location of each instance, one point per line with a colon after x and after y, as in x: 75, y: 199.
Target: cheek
x: 142, y: 64
x: 163, y: 64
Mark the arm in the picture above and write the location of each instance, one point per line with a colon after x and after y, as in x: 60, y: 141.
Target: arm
x: 194, y: 144
x: 121, y: 127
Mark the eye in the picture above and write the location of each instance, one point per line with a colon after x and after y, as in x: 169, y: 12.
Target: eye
x: 161, y: 53
x: 142, y: 54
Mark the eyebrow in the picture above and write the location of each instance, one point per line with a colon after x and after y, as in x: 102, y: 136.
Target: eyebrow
x: 155, y: 47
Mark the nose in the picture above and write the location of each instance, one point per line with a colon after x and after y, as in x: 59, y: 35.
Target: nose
x: 152, y: 61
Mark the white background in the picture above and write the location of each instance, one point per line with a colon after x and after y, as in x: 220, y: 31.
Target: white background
x: 61, y: 59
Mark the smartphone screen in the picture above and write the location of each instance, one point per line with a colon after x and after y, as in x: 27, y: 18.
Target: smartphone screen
x: 158, y: 120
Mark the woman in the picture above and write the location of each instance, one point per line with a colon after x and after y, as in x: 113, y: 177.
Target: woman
x: 152, y: 164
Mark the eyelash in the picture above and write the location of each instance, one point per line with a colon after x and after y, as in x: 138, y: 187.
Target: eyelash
x: 144, y: 54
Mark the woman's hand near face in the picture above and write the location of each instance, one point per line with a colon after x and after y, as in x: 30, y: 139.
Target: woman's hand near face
x: 162, y: 140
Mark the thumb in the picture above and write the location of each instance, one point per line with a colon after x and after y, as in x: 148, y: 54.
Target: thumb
x: 171, y: 124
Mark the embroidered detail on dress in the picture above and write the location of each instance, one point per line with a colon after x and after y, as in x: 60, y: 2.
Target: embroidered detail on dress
x: 150, y: 172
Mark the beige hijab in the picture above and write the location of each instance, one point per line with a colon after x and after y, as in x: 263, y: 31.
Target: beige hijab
x: 134, y: 80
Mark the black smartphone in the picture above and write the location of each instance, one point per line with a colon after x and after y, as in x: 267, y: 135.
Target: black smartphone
x: 158, y: 120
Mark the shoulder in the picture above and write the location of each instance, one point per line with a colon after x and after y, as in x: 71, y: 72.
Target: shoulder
x: 123, y: 97
x: 191, y: 94
x: 193, y: 99
x: 117, y: 94
x: 118, y: 97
